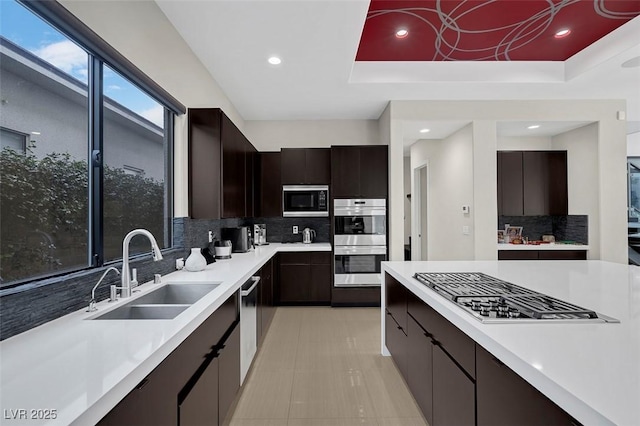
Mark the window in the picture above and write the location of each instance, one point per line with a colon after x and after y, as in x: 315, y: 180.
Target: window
x: 60, y: 101
x: 13, y: 140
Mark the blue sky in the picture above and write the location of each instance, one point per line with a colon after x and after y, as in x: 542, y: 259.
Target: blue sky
x: 31, y: 33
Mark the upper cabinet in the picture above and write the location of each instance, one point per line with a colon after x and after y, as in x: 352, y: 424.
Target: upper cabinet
x: 359, y: 171
x: 269, y: 186
x: 221, y: 167
x: 306, y: 166
x: 532, y: 183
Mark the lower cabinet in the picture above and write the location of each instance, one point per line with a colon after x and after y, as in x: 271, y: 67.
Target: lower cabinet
x: 305, y: 278
x: 229, y: 374
x: 454, y: 380
x: 504, y: 398
x: 396, y: 341
x: 266, y: 308
x: 420, y: 368
x: 542, y: 255
x: 453, y: 392
x: 199, y: 406
x: 178, y: 387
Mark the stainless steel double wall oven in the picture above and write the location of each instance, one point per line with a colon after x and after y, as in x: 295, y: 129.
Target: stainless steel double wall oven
x: 360, y: 241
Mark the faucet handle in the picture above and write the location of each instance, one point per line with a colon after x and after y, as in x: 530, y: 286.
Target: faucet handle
x: 134, y: 278
x: 113, y: 293
x: 92, y: 306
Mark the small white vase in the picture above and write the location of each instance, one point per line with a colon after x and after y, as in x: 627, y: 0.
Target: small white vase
x: 196, y: 261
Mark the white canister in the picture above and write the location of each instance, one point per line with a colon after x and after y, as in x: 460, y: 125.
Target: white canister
x: 196, y: 261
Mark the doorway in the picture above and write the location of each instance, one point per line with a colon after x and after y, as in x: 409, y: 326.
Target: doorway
x: 420, y: 214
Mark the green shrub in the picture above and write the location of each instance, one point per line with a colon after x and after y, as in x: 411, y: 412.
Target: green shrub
x: 44, y: 212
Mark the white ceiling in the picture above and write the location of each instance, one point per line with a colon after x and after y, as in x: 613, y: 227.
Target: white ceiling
x: 318, y: 78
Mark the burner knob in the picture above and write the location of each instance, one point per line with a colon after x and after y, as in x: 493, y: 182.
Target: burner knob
x: 475, y: 304
x: 485, y: 309
x: 503, y: 310
x: 514, y: 313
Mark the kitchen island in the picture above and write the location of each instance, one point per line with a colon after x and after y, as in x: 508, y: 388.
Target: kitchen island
x: 589, y: 370
x: 75, y: 369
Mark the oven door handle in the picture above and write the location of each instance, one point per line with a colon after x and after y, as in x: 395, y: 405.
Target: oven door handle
x: 356, y: 250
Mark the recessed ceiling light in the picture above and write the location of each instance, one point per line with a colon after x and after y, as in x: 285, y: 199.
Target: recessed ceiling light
x: 534, y: 126
x: 425, y: 130
x: 402, y: 33
x: 632, y: 63
x: 562, y: 33
x: 274, y: 60
x: 35, y: 133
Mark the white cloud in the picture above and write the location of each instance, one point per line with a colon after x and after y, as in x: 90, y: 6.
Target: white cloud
x: 154, y: 115
x: 65, y: 55
x: 113, y: 87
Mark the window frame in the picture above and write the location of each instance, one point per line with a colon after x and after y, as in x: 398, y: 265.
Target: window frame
x: 99, y: 54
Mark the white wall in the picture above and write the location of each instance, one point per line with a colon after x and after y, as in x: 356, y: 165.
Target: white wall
x: 633, y: 145
x: 273, y: 135
x: 450, y: 185
x: 509, y: 143
x: 582, y: 182
x: 609, y: 172
x: 142, y: 33
x: 407, y: 201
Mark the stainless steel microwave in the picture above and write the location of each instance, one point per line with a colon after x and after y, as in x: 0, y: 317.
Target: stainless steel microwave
x: 305, y: 200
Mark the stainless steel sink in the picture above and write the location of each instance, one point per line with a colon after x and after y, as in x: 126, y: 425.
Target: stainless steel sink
x: 166, y: 302
x: 144, y: 312
x: 176, y: 294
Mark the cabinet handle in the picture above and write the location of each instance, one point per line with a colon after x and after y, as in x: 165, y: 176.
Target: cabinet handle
x: 142, y: 384
x: 429, y: 335
x: 497, y: 361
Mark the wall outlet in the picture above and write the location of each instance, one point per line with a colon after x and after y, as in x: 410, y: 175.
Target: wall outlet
x: 180, y: 263
x: 465, y: 230
x: 210, y: 236
x: 295, y: 229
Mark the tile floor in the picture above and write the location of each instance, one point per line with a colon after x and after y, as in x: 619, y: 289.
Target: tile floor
x: 321, y: 366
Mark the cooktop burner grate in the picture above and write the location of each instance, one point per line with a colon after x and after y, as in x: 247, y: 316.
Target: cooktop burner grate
x: 490, y: 299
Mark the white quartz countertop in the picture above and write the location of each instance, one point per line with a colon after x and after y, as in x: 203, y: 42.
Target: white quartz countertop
x: 82, y: 368
x: 590, y: 370
x: 542, y: 247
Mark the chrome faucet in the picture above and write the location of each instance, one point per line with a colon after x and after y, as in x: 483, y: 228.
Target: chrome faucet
x: 155, y: 252
x: 92, y: 302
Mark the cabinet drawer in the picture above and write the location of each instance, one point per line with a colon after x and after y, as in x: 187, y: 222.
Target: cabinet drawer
x: 453, y: 393
x: 518, y: 255
x: 460, y: 346
x: 562, y: 255
x: 320, y: 258
x: 396, y: 342
x: 301, y: 258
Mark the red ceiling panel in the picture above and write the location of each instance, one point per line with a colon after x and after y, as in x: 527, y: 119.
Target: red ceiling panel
x: 494, y: 30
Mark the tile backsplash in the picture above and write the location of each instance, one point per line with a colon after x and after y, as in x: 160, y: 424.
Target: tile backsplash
x: 563, y: 228
x: 35, y: 303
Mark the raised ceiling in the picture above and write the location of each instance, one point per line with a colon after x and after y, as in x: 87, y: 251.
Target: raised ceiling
x: 499, y: 30
x: 319, y: 77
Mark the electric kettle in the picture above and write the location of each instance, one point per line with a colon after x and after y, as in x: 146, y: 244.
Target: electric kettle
x: 308, y: 235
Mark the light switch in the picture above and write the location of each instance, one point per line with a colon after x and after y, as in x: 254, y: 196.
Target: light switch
x: 465, y: 209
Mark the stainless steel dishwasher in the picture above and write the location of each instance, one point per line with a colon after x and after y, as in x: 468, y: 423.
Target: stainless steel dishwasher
x: 248, y: 324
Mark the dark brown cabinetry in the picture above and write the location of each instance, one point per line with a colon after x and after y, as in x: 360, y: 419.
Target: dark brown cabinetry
x: 179, y: 386
x: 396, y: 322
x: 542, y: 255
x: 359, y: 171
x: 266, y: 308
x: 453, y: 379
x: 453, y: 392
x: 532, y: 183
x: 306, y: 166
x: 221, y: 167
x: 504, y: 398
x: 305, y: 278
x: 269, y: 185
x: 420, y: 367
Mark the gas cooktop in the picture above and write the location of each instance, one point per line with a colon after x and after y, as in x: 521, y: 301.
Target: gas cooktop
x: 492, y: 300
